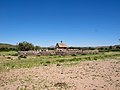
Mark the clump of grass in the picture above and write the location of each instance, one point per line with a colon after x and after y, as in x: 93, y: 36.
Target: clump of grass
x: 19, y: 58
x: 74, y: 59
x: 9, y: 58
x: 23, y: 56
x: 15, y: 54
x: 89, y: 58
x: 95, y: 58
x: 58, y: 64
x: 61, y: 85
x: 83, y: 54
x: 3, y: 55
x: 38, y: 55
x: 62, y: 60
x: 48, y: 62
x: 73, y: 55
x: 51, y: 55
x: 78, y: 59
x: 44, y: 64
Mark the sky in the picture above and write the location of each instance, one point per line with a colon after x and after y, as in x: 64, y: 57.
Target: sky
x: 46, y: 22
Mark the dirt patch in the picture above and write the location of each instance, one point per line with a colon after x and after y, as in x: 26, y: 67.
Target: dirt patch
x: 88, y: 75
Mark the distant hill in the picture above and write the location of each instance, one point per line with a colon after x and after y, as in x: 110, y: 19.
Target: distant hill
x: 5, y: 46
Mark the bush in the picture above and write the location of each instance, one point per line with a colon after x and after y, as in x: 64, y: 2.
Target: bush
x: 44, y: 64
x: 74, y: 59
x: 51, y: 55
x: 73, y: 55
x: 58, y: 64
x: 83, y: 54
x: 9, y: 58
x: 38, y: 55
x: 95, y: 58
x: 48, y: 62
x: 89, y: 58
x: 61, y: 85
x: 19, y: 58
x: 3, y: 55
x: 23, y: 56
x: 16, y: 54
x: 62, y: 60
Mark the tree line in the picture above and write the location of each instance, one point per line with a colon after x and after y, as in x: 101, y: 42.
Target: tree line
x: 26, y: 46
x: 21, y: 46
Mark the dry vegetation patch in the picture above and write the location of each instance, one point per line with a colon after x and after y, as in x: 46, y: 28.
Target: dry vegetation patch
x: 88, y: 75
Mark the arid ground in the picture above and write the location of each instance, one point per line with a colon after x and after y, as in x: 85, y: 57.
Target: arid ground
x: 86, y: 75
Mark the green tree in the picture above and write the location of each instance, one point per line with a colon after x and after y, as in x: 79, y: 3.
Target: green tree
x: 25, y: 46
x: 37, y: 47
x: 110, y: 47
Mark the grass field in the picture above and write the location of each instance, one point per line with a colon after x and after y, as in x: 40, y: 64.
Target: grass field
x: 9, y: 60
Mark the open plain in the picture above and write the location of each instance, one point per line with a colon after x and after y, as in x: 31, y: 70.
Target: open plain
x: 58, y: 74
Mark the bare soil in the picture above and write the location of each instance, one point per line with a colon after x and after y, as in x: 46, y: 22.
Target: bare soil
x: 87, y: 75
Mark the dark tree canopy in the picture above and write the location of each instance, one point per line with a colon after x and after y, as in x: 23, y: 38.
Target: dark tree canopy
x: 25, y: 46
x: 37, y: 47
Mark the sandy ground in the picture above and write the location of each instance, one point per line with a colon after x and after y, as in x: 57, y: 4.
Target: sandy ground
x: 88, y: 75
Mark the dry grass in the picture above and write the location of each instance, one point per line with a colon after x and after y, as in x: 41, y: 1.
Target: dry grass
x: 81, y: 72
x: 88, y: 75
x: 9, y: 61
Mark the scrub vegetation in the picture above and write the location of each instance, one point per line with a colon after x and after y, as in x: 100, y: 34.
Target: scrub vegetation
x: 10, y: 60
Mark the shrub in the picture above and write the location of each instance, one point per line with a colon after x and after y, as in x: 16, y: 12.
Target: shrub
x: 58, y: 64
x: 95, y: 58
x: 51, y: 55
x: 16, y: 54
x: 38, y: 55
x: 62, y: 60
x: 48, y: 62
x: 72, y: 59
x: 19, y: 58
x: 3, y: 55
x: 83, y: 54
x: 73, y: 55
x: 44, y: 64
x: 89, y: 58
x: 61, y: 85
x: 9, y: 58
x: 23, y: 56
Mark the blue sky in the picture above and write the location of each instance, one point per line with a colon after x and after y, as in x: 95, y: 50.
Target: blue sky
x: 46, y: 22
